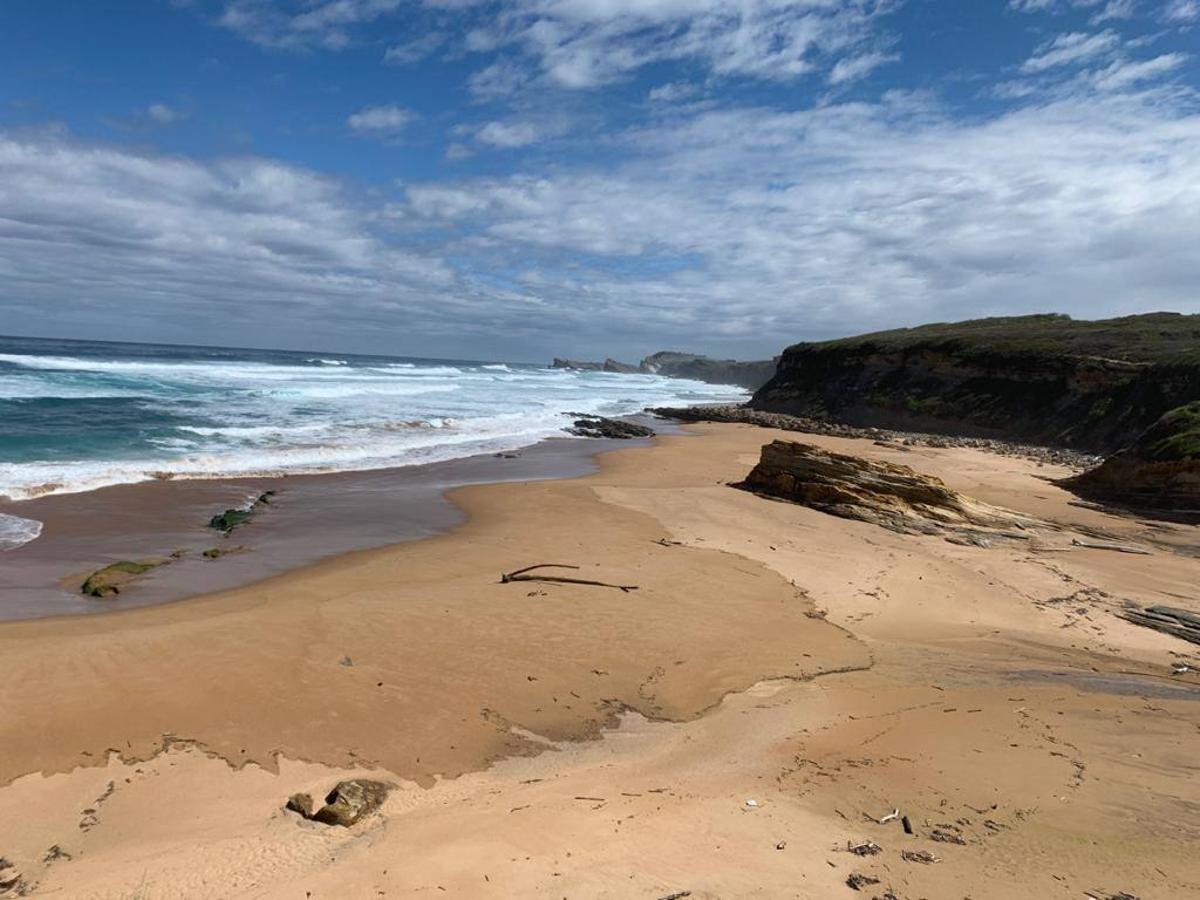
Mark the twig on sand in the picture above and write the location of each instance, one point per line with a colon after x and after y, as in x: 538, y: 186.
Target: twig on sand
x: 678, y: 895
x: 523, y: 575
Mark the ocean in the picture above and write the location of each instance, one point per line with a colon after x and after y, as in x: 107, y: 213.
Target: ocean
x: 80, y: 415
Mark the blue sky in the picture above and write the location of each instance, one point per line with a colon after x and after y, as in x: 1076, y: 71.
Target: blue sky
x: 590, y: 177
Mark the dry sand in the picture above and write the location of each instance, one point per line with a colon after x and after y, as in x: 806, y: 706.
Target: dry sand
x: 824, y: 669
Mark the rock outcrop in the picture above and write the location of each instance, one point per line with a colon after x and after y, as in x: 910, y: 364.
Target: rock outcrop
x: 599, y: 427
x: 349, y: 802
x: 885, y: 494
x: 1159, y: 470
x: 230, y: 519
x: 108, y: 582
x: 1180, y: 623
x: 1042, y: 379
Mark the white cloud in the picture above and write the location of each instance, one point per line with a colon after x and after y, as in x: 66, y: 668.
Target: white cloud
x: 162, y: 114
x: 415, y: 50
x: 851, y: 68
x: 1182, y: 11
x: 578, y: 44
x: 103, y: 237
x: 742, y: 224
x: 1114, y: 9
x: 509, y: 134
x: 1124, y: 73
x: 586, y: 43
x: 672, y: 92
x: 295, y: 24
x: 387, y: 120
x: 1106, y: 10
x: 1067, y: 49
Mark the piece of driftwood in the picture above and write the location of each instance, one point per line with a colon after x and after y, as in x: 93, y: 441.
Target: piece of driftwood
x: 946, y: 837
x: 524, y: 575
x: 1118, y: 548
x: 866, y: 848
x: 919, y: 856
x: 678, y: 895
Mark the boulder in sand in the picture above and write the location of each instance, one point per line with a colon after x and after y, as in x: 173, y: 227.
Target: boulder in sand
x: 349, y: 802
x: 886, y: 494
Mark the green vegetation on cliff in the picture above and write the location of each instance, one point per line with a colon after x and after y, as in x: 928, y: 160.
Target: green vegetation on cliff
x: 1048, y: 378
x: 1173, y: 438
x: 1149, y: 338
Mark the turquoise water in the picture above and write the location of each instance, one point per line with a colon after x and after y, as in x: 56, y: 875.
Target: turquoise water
x: 76, y: 416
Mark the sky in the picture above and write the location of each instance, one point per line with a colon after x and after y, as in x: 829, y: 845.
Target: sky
x: 520, y: 179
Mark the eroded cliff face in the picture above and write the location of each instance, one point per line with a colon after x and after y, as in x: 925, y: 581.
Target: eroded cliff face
x: 1087, y: 402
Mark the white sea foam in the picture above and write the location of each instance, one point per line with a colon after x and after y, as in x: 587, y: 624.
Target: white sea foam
x: 15, y: 531
x: 214, y: 418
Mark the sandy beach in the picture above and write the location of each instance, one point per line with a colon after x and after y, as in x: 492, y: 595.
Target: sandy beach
x: 778, y: 682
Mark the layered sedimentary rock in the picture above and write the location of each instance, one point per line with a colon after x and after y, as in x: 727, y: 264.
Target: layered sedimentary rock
x: 886, y: 494
x: 1044, y: 379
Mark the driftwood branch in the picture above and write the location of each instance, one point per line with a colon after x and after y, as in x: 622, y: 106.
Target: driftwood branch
x: 524, y: 575
x: 1119, y: 548
x: 506, y: 577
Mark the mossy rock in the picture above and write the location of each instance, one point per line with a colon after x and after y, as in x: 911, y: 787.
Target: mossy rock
x: 230, y: 519
x: 1173, y: 438
x: 107, y: 582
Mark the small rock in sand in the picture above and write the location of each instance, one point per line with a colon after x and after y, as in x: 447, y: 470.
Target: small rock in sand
x: 348, y: 803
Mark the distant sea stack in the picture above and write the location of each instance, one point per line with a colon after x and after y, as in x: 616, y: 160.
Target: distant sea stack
x: 1045, y: 379
x: 1160, y: 469
x: 671, y: 364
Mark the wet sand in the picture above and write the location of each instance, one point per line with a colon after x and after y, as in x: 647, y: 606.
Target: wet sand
x: 825, y: 669
x: 312, y: 517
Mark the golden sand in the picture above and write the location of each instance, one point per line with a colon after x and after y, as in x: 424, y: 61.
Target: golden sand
x: 826, y: 670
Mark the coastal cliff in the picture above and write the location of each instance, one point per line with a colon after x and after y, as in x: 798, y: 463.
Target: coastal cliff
x: 609, y: 365
x: 1045, y: 378
x: 672, y: 364
x: 750, y: 375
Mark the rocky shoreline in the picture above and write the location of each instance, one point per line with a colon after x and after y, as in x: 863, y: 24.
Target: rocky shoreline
x: 785, y: 422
